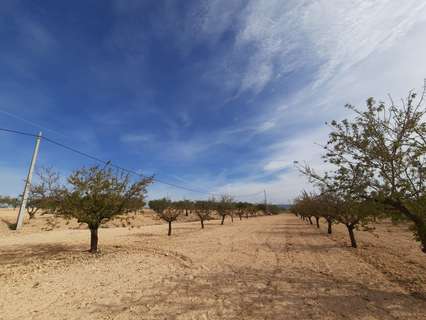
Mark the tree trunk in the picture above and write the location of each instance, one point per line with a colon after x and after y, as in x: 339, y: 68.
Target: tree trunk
x: 202, y: 224
x: 31, y: 212
x: 317, y: 220
x: 186, y: 212
x: 419, y: 223
x: 93, y: 240
x: 422, y: 236
x: 170, y: 228
x: 232, y: 218
x: 329, y: 227
x: 351, y: 235
x: 420, y: 226
x: 223, y: 219
x: 310, y: 220
x: 241, y: 217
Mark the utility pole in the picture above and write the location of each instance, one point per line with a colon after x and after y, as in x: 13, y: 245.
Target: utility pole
x: 21, y: 213
x: 266, y: 202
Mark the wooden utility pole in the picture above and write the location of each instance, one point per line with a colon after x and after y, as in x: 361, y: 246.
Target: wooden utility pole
x: 27, y: 187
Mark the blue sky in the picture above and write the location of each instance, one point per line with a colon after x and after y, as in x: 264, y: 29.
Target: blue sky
x: 214, y: 95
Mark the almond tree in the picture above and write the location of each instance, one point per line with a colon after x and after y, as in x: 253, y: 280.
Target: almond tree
x: 306, y: 206
x: 167, y: 211
x: 203, y: 210
x: 388, y: 142
x: 329, y: 209
x: 241, y: 208
x: 41, y: 194
x: 187, y: 205
x: 347, y: 189
x: 96, y: 195
x: 224, y: 207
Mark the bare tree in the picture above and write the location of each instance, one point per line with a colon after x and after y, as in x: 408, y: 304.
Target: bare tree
x: 241, y: 208
x: 224, y: 207
x: 187, y: 206
x: 42, y: 193
x: 203, y: 210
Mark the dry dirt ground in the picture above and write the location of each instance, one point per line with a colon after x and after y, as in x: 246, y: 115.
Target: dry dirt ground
x: 273, y: 267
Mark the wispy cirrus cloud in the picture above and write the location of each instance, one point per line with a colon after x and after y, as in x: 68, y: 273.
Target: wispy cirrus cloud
x: 223, y: 95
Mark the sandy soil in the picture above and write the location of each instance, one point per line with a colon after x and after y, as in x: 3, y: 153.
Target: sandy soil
x: 273, y: 267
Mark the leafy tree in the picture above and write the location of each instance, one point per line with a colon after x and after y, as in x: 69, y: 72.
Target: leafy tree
x: 136, y: 204
x: 347, y: 188
x: 307, y: 206
x: 159, y: 205
x: 329, y: 209
x: 167, y: 211
x: 94, y: 196
x: 388, y: 143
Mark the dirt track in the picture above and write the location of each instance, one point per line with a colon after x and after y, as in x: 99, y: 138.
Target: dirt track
x: 262, y: 268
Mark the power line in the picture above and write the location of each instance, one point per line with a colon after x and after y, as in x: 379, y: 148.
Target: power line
x: 18, y: 132
x: 119, y: 167
x: 34, y: 124
x: 109, y: 163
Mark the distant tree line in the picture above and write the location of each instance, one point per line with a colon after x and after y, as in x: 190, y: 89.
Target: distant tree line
x: 204, y: 210
x: 97, y: 194
x: 9, y: 202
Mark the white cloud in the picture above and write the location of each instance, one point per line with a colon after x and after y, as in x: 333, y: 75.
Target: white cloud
x: 277, y: 37
x: 361, y: 49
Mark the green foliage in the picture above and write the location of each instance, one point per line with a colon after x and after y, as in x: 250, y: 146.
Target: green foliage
x: 94, y: 196
x: 387, y: 143
x: 159, y: 205
x: 7, y: 201
x: 167, y: 210
x: 379, y: 158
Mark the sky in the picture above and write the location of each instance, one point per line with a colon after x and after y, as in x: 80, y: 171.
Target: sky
x: 219, y: 96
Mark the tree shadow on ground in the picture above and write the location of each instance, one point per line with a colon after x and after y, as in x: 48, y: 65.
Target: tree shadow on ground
x: 10, y: 225
x: 247, y: 293
x: 313, y: 233
x: 24, y: 255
